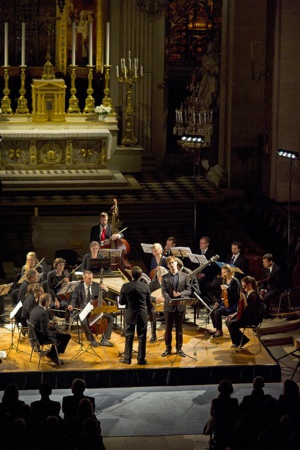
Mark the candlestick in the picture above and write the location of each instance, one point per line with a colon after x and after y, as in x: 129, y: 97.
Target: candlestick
x: 23, y: 44
x: 107, y: 42
x: 73, y: 43
x: 6, y: 44
x: 90, y: 44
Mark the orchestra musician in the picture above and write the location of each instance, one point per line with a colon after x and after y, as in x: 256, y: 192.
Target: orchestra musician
x: 175, y: 285
x: 154, y: 285
x: 40, y: 320
x: 32, y: 263
x: 170, y: 242
x: 102, y: 232
x: 248, y: 312
x: 227, y: 304
x: 271, y: 286
x: 94, y: 254
x: 135, y: 295
x: 237, y: 259
x: 34, y: 291
x: 86, y: 292
x: 31, y: 276
x: 56, y: 279
x: 158, y: 259
x: 206, y: 276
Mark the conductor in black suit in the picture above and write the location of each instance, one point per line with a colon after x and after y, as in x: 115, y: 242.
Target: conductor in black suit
x: 102, y: 232
x: 175, y: 285
x: 135, y: 295
x: 237, y: 259
x: 40, y: 320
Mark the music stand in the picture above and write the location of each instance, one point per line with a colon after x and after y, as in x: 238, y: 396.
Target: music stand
x: 4, y: 290
x: 13, y: 326
x: 68, y: 288
x: 180, y: 302
x: 197, y: 259
x: 89, y: 349
x: 97, y: 264
x: 181, y: 252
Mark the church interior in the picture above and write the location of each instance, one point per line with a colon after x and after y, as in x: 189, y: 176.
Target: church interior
x: 185, y: 112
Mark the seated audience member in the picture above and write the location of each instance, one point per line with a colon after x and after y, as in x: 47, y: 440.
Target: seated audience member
x: 289, y: 401
x: 248, y: 312
x: 11, y: 403
x: 85, y: 410
x: 228, y: 302
x: 45, y: 407
x: 255, y: 401
x: 94, y: 254
x: 224, y: 414
x: 237, y: 259
x: 90, y: 438
x: 70, y: 402
x: 271, y: 286
x: 154, y: 286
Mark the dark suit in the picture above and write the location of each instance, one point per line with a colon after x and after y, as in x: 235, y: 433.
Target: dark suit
x: 39, y: 319
x: 135, y: 295
x: 80, y: 300
x: 41, y: 409
x: 96, y: 231
x: 209, y: 273
x: 70, y: 404
x: 273, y: 284
x: 241, y: 262
x: 174, y: 314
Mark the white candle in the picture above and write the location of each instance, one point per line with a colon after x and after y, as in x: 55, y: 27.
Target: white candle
x: 23, y: 44
x: 129, y: 60
x: 117, y: 70
x: 6, y: 43
x: 141, y: 71
x: 73, y: 43
x: 107, y: 42
x: 90, y: 44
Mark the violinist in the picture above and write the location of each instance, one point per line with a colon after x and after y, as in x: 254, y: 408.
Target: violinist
x: 158, y: 260
x: 34, y: 291
x: 227, y: 304
x: 102, y: 232
x: 87, y: 292
x: 94, y: 254
x: 32, y: 263
x: 248, y: 312
x: 40, y: 320
x: 31, y: 276
x: 56, y: 279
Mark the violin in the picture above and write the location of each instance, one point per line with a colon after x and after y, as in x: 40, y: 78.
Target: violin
x: 225, y: 295
x: 98, y: 323
x: 241, y: 306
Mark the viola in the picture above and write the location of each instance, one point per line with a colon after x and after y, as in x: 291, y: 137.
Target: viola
x: 241, y: 306
x: 98, y: 325
x: 225, y: 295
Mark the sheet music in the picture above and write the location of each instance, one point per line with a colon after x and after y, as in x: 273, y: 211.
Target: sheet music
x: 147, y: 248
x: 15, y: 310
x: 118, y: 304
x: 68, y: 287
x: 98, y: 316
x: 86, y: 310
x: 111, y: 252
x: 198, y: 259
x: 181, y: 252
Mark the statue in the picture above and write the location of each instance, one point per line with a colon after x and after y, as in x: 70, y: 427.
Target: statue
x: 209, y: 72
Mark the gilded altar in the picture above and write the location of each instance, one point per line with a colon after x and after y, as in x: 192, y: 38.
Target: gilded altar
x: 48, y: 100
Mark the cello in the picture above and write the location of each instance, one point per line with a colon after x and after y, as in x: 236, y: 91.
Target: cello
x: 98, y: 323
x: 119, y: 244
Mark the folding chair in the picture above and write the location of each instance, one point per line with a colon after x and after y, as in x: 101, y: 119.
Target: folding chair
x: 255, y: 328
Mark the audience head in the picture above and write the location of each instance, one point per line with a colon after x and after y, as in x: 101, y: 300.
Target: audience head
x: 11, y: 393
x: 78, y: 386
x: 291, y: 389
x: 85, y: 409
x: 258, y: 383
x: 136, y: 272
x: 225, y: 387
x: 45, y: 389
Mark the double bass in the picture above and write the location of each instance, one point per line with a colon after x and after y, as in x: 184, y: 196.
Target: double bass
x: 119, y: 244
x: 98, y: 323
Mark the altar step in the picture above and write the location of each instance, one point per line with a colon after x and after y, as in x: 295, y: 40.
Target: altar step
x: 67, y: 179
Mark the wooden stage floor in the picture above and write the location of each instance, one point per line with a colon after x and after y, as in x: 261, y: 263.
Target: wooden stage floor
x: 207, y: 362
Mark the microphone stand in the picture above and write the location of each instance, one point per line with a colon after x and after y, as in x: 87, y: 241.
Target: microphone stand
x: 207, y: 307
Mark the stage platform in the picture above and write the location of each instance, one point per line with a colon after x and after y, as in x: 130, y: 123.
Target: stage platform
x: 207, y: 361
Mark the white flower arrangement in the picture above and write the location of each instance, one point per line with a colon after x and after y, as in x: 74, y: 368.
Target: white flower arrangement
x: 103, y: 109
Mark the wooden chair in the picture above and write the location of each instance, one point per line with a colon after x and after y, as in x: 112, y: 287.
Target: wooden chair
x: 37, y: 347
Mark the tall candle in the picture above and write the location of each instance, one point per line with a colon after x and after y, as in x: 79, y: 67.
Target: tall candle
x: 107, y: 42
x: 23, y: 44
x: 73, y: 43
x: 129, y: 60
x: 117, y: 71
x: 90, y: 44
x: 6, y: 43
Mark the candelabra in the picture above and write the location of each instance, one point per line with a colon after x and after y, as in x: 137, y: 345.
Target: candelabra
x: 129, y: 75
x: 22, y: 101
x: 90, y: 101
x: 5, y: 102
x: 106, y: 101
x: 73, y: 102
